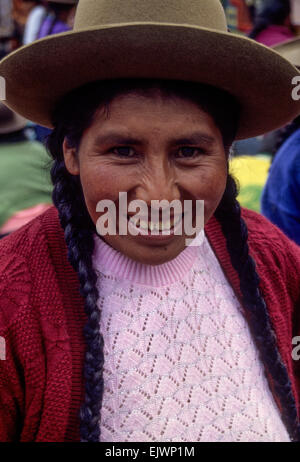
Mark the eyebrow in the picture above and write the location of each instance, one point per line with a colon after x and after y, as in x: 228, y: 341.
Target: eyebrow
x: 188, y: 139
x: 114, y: 138
x: 195, y: 138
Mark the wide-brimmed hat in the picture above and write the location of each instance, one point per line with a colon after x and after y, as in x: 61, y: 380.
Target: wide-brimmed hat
x: 170, y: 39
x: 290, y: 50
x: 10, y: 122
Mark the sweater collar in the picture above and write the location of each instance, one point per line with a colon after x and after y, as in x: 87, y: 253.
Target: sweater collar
x: 110, y: 261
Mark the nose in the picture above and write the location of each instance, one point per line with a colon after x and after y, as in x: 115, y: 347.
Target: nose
x: 159, y: 182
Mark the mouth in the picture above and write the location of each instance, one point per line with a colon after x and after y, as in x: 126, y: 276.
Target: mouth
x: 161, y: 230
x: 157, y: 226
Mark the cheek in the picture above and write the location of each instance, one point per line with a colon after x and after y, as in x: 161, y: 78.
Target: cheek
x: 96, y: 185
x: 101, y: 182
x: 208, y: 183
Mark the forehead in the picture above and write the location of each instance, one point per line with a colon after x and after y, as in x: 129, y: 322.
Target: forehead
x: 152, y: 110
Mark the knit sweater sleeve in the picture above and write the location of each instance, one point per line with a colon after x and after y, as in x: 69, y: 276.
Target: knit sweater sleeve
x: 292, y: 259
x: 277, y: 257
x: 41, y: 323
x: 20, y: 359
x: 277, y: 260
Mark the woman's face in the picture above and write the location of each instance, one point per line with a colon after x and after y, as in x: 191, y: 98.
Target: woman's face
x: 152, y: 147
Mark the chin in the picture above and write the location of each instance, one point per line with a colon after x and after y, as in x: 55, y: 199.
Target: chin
x: 155, y: 260
x: 148, y: 254
x: 154, y: 255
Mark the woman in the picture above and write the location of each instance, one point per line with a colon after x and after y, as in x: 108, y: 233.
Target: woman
x: 177, y: 338
x: 272, y: 23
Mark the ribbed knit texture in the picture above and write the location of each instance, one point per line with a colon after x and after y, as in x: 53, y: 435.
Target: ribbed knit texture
x: 180, y: 362
x: 122, y: 267
x: 42, y: 319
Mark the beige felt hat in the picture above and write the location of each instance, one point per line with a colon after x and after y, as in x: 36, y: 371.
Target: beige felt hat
x: 10, y: 121
x: 170, y: 39
x: 290, y: 50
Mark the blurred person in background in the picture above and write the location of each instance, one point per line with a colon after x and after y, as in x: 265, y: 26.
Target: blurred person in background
x: 251, y: 4
x: 253, y: 156
x: 8, y: 34
x: 281, y: 195
x: 272, y: 23
x: 20, y: 12
x: 24, y: 178
x: 295, y: 15
x: 34, y: 21
x: 59, y: 19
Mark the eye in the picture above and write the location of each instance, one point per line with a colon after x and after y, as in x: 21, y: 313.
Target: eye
x: 123, y: 151
x: 187, y: 152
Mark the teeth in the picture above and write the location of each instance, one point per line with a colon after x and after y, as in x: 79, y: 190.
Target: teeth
x: 178, y: 221
x: 150, y: 225
x: 143, y: 224
x: 167, y: 224
x: 164, y: 226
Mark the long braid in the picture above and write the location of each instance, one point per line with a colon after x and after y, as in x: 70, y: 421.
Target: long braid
x: 80, y: 243
x: 236, y: 234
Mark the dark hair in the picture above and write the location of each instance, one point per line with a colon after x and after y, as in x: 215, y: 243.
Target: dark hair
x: 72, y: 116
x: 271, y: 12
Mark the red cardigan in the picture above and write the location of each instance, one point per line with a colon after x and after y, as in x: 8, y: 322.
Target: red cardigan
x: 42, y: 318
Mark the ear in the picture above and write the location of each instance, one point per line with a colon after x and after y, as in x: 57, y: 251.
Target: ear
x: 71, y: 160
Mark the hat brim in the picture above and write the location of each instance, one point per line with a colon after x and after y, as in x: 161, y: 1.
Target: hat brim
x: 39, y: 74
x: 290, y: 50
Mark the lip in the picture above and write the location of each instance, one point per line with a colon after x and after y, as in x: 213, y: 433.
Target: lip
x: 171, y: 216
x: 154, y: 238
x: 175, y: 218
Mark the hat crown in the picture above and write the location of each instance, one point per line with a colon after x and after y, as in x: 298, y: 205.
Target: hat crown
x: 201, y: 13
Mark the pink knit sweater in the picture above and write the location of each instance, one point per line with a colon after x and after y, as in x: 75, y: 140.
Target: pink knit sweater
x: 180, y: 363
x: 42, y: 320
